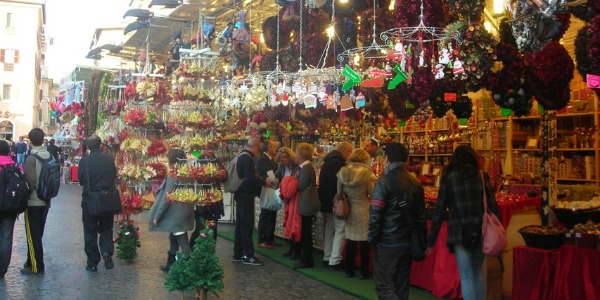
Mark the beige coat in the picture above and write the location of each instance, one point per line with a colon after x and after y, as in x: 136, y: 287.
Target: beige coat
x: 358, y: 181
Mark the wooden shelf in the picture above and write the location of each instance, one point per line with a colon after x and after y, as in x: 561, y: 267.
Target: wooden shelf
x: 416, y: 154
x: 575, y: 149
x: 527, y: 150
x: 527, y: 118
x: 441, y: 154
x: 586, y: 114
x: 576, y: 179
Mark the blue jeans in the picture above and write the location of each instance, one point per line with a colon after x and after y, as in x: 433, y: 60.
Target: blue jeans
x: 7, y: 226
x: 469, y: 262
x: 21, y: 160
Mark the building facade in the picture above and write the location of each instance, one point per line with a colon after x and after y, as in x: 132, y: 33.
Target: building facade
x: 22, y: 47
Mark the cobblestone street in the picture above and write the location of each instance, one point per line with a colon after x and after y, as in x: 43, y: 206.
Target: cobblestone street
x: 66, y: 277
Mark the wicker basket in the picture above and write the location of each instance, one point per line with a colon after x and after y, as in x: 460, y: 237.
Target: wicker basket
x: 542, y: 241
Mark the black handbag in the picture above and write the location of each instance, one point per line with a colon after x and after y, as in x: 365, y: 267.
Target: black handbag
x: 105, y: 202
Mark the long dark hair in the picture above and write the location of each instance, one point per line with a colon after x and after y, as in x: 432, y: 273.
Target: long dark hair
x: 464, y: 161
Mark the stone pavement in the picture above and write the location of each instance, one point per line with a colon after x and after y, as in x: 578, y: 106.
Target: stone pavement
x: 66, y: 277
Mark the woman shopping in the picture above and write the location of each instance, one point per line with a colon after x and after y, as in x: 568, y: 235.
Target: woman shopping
x: 357, y: 180
x: 461, y: 193
x: 177, y: 219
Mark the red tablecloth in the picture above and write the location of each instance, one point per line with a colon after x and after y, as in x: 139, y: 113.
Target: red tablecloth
x: 564, y: 273
x: 508, y: 207
x: 74, y: 173
x: 438, y: 272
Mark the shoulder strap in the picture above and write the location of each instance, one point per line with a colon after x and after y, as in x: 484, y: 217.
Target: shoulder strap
x: 87, y: 174
x: 42, y: 159
x: 485, y: 205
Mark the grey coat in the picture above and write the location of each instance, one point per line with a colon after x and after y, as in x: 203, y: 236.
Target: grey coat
x: 308, y: 198
x: 172, y: 217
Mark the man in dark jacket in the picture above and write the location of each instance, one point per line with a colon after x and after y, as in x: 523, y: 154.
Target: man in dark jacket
x: 54, y: 150
x: 333, y: 229
x: 388, y: 231
x: 268, y: 218
x: 243, y: 248
x: 97, y: 171
x: 21, y: 150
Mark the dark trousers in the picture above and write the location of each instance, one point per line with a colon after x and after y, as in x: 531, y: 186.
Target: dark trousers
x: 179, y: 241
x: 351, y: 256
x: 307, y: 241
x: 266, y: 226
x: 92, y: 227
x: 35, y: 222
x: 7, y: 226
x: 201, y: 217
x: 244, y: 224
x: 391, y: 267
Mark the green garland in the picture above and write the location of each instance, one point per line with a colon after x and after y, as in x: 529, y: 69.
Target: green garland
x: 128, y: 240
x: 106, y: 80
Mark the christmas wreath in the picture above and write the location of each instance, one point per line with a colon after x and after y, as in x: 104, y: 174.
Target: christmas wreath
x: 476, y: 52
x: 585, y: 63
x: 586, y: 12
x: 377, y: 103
x: 268, y: 62
x: 269, y: 31
x: 463, y: 107
x: 466, y: 9
x: 400, y: 104
x: 548, y: 74
x: 421, y: 85
x: 594, y: 40
x: 436, y: 99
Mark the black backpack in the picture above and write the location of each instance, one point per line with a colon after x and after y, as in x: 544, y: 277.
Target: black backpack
x: 49, y: 181
x: 14, y: 190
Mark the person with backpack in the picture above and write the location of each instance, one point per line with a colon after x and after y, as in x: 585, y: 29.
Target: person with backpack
x: 7, y: 219
x: 243, y: 247
x: 97, y: 171
x: 37, y: 209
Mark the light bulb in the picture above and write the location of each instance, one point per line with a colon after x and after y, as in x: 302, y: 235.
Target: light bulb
x: 392, y: 4
x: 343, y: 1
x: 262, y: 37
x: 356, y: 59
x: 331, y: 32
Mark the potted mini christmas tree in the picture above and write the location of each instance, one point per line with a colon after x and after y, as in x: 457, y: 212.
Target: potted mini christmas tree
x: 201, y: 272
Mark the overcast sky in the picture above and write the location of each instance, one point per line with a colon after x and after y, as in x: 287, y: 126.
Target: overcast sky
x: 71, y: 24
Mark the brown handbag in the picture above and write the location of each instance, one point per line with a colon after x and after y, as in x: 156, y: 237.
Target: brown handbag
x: 341, y: 207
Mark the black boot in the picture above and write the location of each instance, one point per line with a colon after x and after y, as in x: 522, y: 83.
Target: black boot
x: 170, y: 261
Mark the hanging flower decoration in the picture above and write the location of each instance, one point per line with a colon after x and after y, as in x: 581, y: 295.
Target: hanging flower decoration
x: 268, y: 61
x: 463, y: 107
x: 377, y: 102
x: 135, y: 117
x: 146, y: 89
x: 269, y: 31
x: 517, y: 99
x: 438, y: 106
x: 585, y: 64
x: 130, y: 91
x: 594, y: 40
x: 205, y: 173
x: 549, y: 73
x: 476, y: 53
x: 156, y: 148
x: 289, y: 59
x: 160, y: 169
x: 255, y: 99
x: 511, y: 71
x: 586, y: 12
x: 203, y: 197
x: 434, y: 13
x: 313, y: 49
x: 131, y: 202
x: 136, y: 173
x: 135, y: 146
x: 466, y: 9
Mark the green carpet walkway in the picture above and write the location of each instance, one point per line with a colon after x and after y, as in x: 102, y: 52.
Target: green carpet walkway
x: 364, y: 289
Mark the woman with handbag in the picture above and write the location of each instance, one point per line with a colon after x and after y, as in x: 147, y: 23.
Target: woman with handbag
x: 357, y: 180
x: 461, y: 193
x: 175, y: 218
x: 287, y: 167
x: 308, y: 201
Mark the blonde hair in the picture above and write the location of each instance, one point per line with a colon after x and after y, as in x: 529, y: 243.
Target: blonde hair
x: 285, y: 151
x: 341, y: 146
x: 360, y: 156
x: 305, y: 150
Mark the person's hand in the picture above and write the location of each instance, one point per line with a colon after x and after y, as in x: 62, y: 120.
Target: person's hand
x: 428, y: 250
x: 155, y: 222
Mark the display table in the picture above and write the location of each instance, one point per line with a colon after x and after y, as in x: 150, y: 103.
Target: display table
x: 438, y: 273
x: 564, y: 273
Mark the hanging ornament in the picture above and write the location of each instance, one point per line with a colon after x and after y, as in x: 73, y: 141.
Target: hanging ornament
x: 353, y: 78
x: 346, y: 103
x: 400, y: 77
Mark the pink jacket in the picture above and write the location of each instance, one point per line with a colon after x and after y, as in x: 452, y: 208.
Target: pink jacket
x: 6, y: 160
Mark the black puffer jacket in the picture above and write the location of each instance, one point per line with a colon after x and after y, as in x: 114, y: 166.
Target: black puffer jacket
x: 332, y: 164
x: 386, y: 223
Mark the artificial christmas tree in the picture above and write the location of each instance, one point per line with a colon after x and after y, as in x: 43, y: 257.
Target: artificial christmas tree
x: 201, y: 272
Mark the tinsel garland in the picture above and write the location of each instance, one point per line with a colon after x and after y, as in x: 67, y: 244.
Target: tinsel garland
x: 463, y: 107
x: 128, y: 240
x: 594, y: 40
x: 548, y: 73
x: 476, y: 53
x: 466, y: 9
x: 106, y: 80
x: 586, y: 12
x: 585, y: 64
x: 436, y: 99
x: 435, y: 13
x: 399, y: 102
x: 421, y: 85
